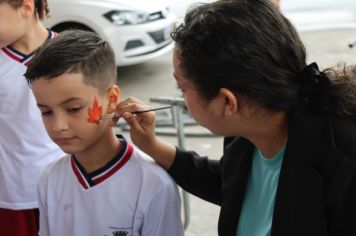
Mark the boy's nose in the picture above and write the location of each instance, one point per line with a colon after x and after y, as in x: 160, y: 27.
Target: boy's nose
x: 59, y: 124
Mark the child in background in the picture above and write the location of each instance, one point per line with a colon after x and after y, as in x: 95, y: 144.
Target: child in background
x: 290, y: 169
x: 104, y: 186
x: 25, y: 148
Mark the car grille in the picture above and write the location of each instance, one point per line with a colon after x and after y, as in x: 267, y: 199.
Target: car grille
x: 156, y: 16
x: 158, y: 36
x: 133, y: 44
x: 162, y: 35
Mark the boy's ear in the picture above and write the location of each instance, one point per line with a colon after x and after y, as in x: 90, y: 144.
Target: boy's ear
x: 113, y: 96
x: 231, y: 102
x: 28, y: 8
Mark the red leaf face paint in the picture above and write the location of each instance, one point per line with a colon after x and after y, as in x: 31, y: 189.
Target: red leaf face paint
x: 94, y: 113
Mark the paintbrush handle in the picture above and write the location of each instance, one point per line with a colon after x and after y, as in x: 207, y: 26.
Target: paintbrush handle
x: 109, y: 116
x: 154, y: 109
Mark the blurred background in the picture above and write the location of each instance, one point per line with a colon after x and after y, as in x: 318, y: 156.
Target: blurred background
x: 139, y: 31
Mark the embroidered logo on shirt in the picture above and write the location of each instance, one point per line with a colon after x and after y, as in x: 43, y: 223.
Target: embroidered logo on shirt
x: 119, y: 231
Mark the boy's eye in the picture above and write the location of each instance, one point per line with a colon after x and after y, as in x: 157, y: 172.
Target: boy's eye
x: 46, y: 113
x: 74, y: 110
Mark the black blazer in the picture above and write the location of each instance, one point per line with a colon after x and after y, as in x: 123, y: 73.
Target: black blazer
x: 316, y: 193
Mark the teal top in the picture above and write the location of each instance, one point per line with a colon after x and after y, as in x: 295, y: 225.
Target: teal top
x: 257, y: 209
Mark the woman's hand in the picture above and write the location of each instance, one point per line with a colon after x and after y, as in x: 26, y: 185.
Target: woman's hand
x: 142, y: 131
x: 142, y: 126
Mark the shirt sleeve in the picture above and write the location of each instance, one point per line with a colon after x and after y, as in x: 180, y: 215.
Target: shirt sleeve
x: 197, y: 175
x: 162, y: 217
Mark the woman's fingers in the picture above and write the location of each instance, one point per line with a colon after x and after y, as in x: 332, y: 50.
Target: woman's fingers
x: 142, y: 126
x: 131, y: 105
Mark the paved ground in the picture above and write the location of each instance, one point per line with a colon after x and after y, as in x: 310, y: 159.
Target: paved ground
x: 155, y: 79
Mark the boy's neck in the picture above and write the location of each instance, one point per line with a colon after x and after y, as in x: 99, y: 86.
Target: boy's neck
x: 100, y: 153
x: 32, y: 39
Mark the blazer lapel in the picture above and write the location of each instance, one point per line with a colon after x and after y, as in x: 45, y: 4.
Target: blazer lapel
x: 299, y: 209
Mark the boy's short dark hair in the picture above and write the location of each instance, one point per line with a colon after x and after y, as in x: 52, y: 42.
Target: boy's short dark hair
x: 72, y: 52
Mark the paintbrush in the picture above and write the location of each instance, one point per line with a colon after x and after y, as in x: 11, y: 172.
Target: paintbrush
x: 112, y: 116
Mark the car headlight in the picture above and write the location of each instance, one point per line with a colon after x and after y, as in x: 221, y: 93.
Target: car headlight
x: 126, y: 17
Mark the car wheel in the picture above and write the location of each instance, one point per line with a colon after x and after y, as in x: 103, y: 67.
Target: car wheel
x: 70, y: 26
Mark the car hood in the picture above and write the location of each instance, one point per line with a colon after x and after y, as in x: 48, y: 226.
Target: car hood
x: 143, y: 5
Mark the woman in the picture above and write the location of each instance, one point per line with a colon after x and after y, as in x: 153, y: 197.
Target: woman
x: 290, y: 167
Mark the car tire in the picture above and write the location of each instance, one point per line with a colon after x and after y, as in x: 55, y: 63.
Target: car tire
x: 70, y: 26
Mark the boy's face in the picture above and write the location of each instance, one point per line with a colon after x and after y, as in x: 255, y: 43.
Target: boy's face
x: 64, y: 102
x: 13, y: 23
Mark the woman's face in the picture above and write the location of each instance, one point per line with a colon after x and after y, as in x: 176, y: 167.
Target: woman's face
x: 206, y: 113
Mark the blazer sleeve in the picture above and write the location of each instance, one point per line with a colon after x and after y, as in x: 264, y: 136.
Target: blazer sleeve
x: 197, y: 175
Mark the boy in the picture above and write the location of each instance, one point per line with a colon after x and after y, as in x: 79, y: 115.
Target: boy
x: 104, y: 186
x: 25, y: 148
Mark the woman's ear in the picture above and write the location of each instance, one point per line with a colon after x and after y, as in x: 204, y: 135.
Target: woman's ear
x: 113, y: 96
x: 231, y: 102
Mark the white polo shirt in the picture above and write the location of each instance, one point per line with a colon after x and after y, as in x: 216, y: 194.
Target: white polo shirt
x: 25, y: 148
x: 129, y: 196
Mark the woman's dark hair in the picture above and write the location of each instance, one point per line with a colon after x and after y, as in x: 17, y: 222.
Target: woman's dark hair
x: 41, y: 6
x: 249, y: 47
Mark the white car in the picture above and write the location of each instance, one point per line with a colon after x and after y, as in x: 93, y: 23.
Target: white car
x: 320, y: 15
x: 138, y: 30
